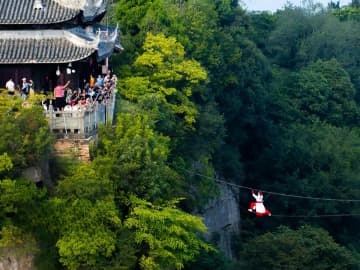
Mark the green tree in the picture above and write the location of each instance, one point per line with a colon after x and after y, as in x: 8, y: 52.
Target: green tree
x: 17, y: 201
x: 211, y: 259
x: 305, y: 248
x: 134, y: 157
x: 165, y: 79
x: 167, y: 236
x: 5, y: 163
x: 85, y: 229
x: 292, y: 26
x: 83, y: 217
x: 324, y: 90
x: 25, y: 135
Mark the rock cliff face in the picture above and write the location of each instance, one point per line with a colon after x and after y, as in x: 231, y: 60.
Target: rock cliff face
x: 222, y: 217
x: 39, y: 173
x: 16, y: 258
x: 11, y: 262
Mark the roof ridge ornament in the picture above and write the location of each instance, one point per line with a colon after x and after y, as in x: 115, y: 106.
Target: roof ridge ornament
x: 114, y: 34
x: 94, y: 3
x: 80, y: 4
x: 72, y: 4
x: 38, y: 4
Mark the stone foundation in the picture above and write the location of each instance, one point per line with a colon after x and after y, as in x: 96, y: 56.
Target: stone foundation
x: 79, y: 148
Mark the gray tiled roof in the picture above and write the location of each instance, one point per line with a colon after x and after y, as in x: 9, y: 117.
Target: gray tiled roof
x: 49, y: 46
x: 22, y: 12
x: 53, y: 11
x: 56, y: 46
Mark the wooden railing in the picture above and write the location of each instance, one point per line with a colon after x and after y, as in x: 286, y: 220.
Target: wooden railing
x: 83, y: 123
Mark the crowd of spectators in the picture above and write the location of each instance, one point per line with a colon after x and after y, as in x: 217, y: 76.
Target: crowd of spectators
x: 97, y: 91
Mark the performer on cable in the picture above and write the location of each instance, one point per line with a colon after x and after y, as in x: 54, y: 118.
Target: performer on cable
x: 258, y: 206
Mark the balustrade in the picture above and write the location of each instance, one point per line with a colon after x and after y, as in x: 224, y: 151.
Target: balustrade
x: 83, y: 123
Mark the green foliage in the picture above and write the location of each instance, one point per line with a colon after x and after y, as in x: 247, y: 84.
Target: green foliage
x: 214, y: 260
x: 270, y: 99
x: 25, y: 135
x: 15, y: 241
x: 305, y: 248
x: 199, y: 176
x: 324, y: 89
x: 347, y: 13
x: 5, y: 163
x: 292, y: 26
x: 12, y: 236
x: 17, y: 197
x: 84, y: 217
x: 85, y: 182
x: 167, y: 236
x: 262, y: 26
x: 188, y: 115
x: 318, y: 158
x: 130, y: 13
x: 124, y: 257
x: 163, y: 74
x: 86, y: 230
x: 133, y: 156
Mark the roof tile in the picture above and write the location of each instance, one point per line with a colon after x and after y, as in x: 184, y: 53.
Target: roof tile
x: 45, y: 50
x: 22, y: 12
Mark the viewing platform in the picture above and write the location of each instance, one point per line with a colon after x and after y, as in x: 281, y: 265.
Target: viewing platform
x: 82, y: 123
x: 76, y: 130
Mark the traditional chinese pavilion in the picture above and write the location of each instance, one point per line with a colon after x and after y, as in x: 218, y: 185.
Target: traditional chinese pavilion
x: 51, y: 41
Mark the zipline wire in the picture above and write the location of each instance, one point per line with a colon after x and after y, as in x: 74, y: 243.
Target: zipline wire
x: 317, y: 216
x: 286, y: 195
x: 272, y: 192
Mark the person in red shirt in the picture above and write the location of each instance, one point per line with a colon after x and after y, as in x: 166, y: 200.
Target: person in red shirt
x: 59, y: 92
x: 258, y: 206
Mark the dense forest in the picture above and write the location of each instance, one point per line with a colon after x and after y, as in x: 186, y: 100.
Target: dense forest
x: 206, y: 90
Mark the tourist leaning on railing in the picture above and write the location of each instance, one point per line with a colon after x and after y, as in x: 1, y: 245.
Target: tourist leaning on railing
x: 67, y: 99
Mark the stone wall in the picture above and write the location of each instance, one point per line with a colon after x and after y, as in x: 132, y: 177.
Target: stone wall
x: 79, y: 148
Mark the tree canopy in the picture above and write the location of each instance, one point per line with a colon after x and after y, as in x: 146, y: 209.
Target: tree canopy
x: 207, y: 91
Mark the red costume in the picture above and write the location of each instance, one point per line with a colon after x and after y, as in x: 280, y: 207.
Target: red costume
x: 258, y: 206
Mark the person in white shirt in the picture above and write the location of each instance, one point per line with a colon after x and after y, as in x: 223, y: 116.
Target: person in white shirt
x: 67, y: 108
x: 258, y: 206
x: 10, y: 85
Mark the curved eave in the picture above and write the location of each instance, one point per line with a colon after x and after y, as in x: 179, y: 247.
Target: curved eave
x: 109, y: 41
x: 118, y: 48
x: 44, y: 47
x: 50, y: 61
x: 105, y: 51
x: 40, y: 21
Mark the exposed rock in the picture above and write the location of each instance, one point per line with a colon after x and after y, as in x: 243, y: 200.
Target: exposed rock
x: 222, y: 217
x: 39, y: 174
x: 18, y: 254
x: 33, y: 173
x: 9, y: 261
